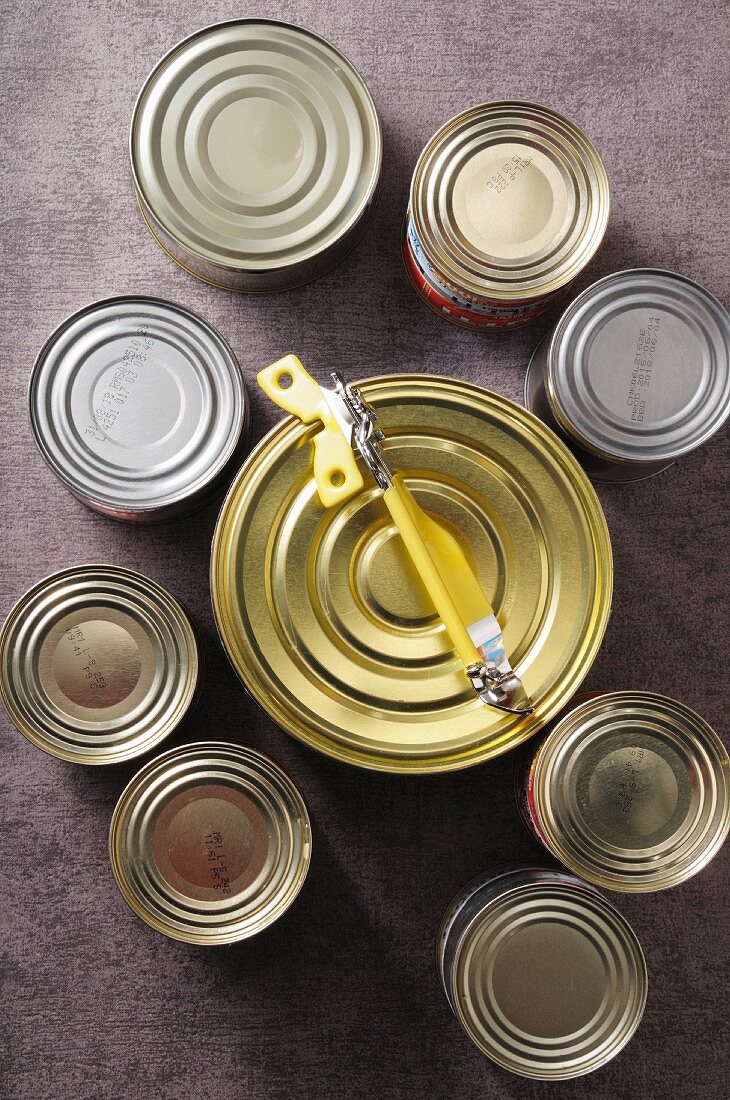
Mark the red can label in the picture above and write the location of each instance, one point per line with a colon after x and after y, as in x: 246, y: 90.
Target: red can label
x: 525, y: 793
x: 460, y: 307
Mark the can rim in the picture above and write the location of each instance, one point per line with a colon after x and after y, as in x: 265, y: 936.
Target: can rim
x: 619, y: 881
x: 484, y: 288
x: 384, y: 762
x: 129, y: 791
x: 209, y: 258
x: 186, y: 698
x: 668, y: 454
x: 181, y: 496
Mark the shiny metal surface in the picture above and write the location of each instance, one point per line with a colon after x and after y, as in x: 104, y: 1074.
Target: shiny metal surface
x: 631, y: 791
x: 598, y: 469
x: 509, y: 201
x: 98, y: 664
x: 543, y: 974
x: 331, y: 633
x: 256, y: 152
x: 210, y: 842
x: 139, y: 407
x: 638, y: 368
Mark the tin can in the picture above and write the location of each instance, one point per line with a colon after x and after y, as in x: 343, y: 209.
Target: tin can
x: 210, y: 843
x: 335, y: 637
x: 543, y: 974
x: 98, y: 664
x: 256, y: 153
x: 629, y: 790
x: 139, y: 408
x: 636, y: 373
x: 509, y: 201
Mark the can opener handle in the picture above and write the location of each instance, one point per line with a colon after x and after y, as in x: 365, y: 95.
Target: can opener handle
x: 293, y: 389
x: 437, y: 556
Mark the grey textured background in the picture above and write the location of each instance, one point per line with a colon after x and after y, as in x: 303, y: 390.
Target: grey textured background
x: 340, y: 999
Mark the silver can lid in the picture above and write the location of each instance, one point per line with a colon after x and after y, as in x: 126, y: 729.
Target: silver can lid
x: 639, y: 366
x: 98, y: 664
x: 210, y: 842
x: 255, y: 145
x: 548, y: 978
x: 137, y: 405
x: 631, y: 791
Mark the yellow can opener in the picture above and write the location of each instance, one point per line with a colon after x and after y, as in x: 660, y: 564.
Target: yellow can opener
x: 349, y: 425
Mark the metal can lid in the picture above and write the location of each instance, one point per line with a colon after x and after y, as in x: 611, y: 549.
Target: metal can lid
x: 137, y: 404
x: 549, y: 980
x: 255, y: 144
x: 98, y: 664
x: 639, y: 366
x: 509, y: 200
x: 334, y: 636
x: 210, y: 842
x: 632, y: 791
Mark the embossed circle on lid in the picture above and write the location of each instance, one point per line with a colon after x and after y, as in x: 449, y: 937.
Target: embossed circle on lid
x: 639, y: 366
x: 632, y: 791
x: 137, y: 405
x: 255, y: 145
x: 98, y: 664
x: 509, y: 200
x: 210, y: 842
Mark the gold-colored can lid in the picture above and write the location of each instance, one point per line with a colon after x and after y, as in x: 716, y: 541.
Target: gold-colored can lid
x: 210, y: 842
x: 631, y: 790
x: 98, y: 664
x: 333, y: 635
x: 255, y: 147
x: 543, y: 973
x: 509, y: 200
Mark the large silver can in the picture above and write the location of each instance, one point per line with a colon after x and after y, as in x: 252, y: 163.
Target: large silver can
x: 256, y: 153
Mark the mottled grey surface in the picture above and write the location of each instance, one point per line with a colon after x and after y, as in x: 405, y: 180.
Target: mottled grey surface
x: 340, y: 999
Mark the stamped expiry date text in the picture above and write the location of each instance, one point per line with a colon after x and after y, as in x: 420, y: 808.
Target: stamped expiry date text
x: 642, y: 367
x: 217, y: 862
x: 126, y: 373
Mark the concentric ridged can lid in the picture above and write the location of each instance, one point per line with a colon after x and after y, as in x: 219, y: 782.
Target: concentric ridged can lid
x: 334, y: 636
x: 210, y: 842
x: 509, y: 200
x: 256, y: 152
x: 98, y: 664
x: 139, y: 407
x: 638, y: 367
x: 542, y: 972
x: 631, y: 791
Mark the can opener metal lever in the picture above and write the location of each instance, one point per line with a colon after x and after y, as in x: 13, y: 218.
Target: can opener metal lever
x: 439, y: 560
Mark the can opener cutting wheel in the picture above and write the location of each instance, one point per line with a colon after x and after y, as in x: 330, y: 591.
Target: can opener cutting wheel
x: 349, y: 426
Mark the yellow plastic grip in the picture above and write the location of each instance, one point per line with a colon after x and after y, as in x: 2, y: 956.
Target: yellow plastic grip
x: 336, y: 473
x: 443, y: 568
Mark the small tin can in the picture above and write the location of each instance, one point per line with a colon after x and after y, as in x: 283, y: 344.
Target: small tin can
x: 335, y: 637
x: 636, y: 373
x: 256, y: 153
x: 509, y: 201
x: 98, y: 664
x: 210, y: 843
x: 139, y: 408
x: 543, y: 974
x: 629, y: 790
